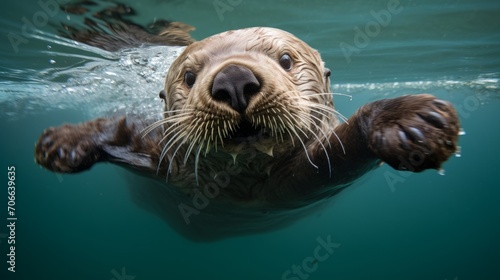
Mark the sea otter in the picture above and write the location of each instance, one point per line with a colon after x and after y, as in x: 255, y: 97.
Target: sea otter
x: 249, y: 135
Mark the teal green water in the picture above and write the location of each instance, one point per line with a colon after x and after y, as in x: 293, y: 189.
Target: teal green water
x: 419, y: 226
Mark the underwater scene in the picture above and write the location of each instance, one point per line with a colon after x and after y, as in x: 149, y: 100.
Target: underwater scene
x: 98, y: 224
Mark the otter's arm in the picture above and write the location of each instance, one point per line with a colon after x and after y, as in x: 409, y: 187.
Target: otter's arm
x: 74, y: 148
x: 413, y: 132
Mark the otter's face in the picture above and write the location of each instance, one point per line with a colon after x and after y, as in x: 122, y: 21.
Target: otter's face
x: 256, y: 87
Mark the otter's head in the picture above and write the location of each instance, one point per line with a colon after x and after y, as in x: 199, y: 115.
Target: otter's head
x: 259, y: 88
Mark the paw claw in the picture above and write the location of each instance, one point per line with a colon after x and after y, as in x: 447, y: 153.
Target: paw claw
x: 442, y: 105
x: 404, y: 140
x: 47, y: 141
x: 415, y: 134
x: 434, y: 118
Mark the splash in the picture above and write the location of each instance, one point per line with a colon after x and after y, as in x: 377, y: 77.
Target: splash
x: 458, y: 152
x: 98, y: 82
x: 101, y: 83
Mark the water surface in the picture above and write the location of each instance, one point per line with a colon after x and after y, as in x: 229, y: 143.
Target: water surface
x: 420, y: 226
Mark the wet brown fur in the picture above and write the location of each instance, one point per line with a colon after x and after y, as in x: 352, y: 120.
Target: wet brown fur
x: 306, y: 154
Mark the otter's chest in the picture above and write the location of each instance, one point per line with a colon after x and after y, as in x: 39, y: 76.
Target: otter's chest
x: 222, y: 176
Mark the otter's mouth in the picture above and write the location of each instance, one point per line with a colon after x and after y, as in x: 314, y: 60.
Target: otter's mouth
x: 246, y: 131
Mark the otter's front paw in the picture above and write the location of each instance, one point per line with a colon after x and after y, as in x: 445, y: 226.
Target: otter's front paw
x: 415, y: 132
x: 66, y: 149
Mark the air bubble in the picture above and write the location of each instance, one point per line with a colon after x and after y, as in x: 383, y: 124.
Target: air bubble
x: 458, y: 152
x: 52, y: 61
x: 441, y: 171
x: 461, y: 132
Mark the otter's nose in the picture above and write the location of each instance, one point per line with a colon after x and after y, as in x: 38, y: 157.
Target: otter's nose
x: 235, y: 84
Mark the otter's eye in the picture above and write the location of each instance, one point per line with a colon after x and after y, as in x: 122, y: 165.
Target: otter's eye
x: 286, y: 62
x: 189, y: 78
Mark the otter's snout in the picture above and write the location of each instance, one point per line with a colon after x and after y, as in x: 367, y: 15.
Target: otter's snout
x: 235, y: 84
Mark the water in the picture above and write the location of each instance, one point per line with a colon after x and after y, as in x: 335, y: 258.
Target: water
x: 420, y: 226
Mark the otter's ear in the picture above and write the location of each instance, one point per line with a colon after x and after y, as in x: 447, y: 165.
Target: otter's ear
x: 163, y: 95
x: 327, y: 73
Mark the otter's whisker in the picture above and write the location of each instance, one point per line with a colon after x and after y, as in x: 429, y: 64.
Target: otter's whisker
x: 180, y: 135
x: 151, y: 127
x: 329, y: 110
x: 343, y: 94
x: 208, y: 148
x: 319, y: 128
x: 184, y: 110
x: 289, y: 121
x: 169, y: 131
x: 288, y: 130
x: 171, y: 161
x: 338, y: 139
x: 330, y: 94
x: 304, y: 146
x: 342, y: 117
x: 178, y: 117
x: 194, y: 141
x: 275, y: 123
x: 162, y: 155
x: 321, y: 113
x: 324, y: 108
x: 322, y: 146
x: 340, y: 142
x: 207, y: 130
x: 164, y: 151
x: 222, y: 134
x: 196, y: 162
x: 164, y: 114
x: 188, y: 152
x: 313, y: 95
x: 269, y: 120
x: 158, y: 123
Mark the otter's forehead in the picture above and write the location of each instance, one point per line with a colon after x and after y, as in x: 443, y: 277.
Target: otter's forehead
x: 250, y: 39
